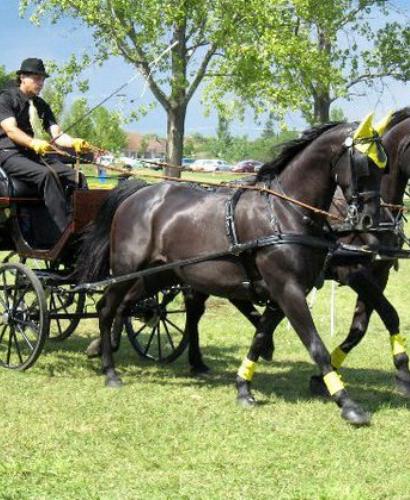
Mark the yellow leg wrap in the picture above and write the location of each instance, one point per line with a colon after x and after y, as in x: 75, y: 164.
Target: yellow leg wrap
x: 247, y: 369
x: 337, y: 357
x: 333, y: 382
x: 398, y: 344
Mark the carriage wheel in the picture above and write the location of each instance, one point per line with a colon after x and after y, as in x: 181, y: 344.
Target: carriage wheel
x: 156, y: 327
x: 24, y: 321
x: 65, y: 311
x: 63, y: 307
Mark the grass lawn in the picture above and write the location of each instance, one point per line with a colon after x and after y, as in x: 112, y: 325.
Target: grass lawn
x: 166, y: 435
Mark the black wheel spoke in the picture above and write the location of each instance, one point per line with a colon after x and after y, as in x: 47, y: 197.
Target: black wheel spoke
x: 140, y: 330
x: 9, y: 346
x: 150, y: 340
x: 159, y: 341
x: 168, y: 334
x: 63, y: 304
x: 16, y: 343
x: 2, y: 332
x: 177, y: 311
x: 16, y: 303
x: 6, y: 306
x: 174, y: 325
x: 21, y: 331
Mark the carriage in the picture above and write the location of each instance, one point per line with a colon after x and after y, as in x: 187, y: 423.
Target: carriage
x: 38, y: 297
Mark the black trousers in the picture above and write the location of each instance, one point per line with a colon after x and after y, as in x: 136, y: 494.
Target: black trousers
x: 49, y: 180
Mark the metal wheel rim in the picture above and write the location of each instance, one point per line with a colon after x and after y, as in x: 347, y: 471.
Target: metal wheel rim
x: 24, y: 317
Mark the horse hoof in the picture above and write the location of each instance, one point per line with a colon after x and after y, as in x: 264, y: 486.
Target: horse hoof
x: 113, y: 383
x: 355, y: 415
x: 94, y: 349
x: 246, y: 401
x: 403, y: 386
x: 318, y: 387
x: 200, y: 370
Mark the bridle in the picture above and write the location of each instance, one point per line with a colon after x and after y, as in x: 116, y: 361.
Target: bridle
x: 358, y: 164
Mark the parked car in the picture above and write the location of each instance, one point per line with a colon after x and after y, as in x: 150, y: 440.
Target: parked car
x: 210, y: 165
x: 129, y: 162
x: 186, y: 163
x: 247, y: 166
x: 105, y: 160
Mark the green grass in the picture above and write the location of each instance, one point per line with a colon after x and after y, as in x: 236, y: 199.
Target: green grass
x: 167, y: 435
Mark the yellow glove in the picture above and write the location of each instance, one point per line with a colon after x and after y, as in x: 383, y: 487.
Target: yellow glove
x: 40, y: 146
x: 80, y: 145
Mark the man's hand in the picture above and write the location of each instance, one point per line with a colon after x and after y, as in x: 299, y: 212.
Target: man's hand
x: 40, y: 146
x: 80, y: 145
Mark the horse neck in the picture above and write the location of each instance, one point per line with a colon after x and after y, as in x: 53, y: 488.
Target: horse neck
x: 307, y: 177
x: 394, y: 183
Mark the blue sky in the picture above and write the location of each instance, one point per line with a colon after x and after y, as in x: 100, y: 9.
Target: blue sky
x: 20, y: 39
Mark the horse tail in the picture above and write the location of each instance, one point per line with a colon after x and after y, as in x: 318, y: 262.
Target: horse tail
x: 92, y: 263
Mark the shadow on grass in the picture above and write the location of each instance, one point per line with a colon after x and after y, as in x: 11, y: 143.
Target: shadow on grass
x: 287, y: 380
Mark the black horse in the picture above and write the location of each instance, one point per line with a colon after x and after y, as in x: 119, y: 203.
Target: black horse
x: 170, y: 222
x: 369, y: 281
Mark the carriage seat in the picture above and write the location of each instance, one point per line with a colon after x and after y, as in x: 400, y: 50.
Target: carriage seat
x: 15, y: 188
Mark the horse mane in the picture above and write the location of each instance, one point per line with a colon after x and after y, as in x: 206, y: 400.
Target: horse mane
x: 289, y: 149
x: 398, y: 116
x: 92, y: 262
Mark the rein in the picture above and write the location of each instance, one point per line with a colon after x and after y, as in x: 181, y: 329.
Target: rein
x: 282, y: 196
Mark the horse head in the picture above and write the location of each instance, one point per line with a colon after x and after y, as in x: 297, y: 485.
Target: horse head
x: 358, y: 171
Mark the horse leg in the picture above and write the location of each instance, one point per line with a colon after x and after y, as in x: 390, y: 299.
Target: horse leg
x: 371, y: 297
x: 195, y: 308
x: 252, y: 314
x: 111, y: 305
x: 269, y: 320
x: 388, y: 314
x: 294, y: 305
x: 94, y: 347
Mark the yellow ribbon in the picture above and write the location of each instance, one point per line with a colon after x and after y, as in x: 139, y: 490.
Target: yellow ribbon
x: 366, y: 130
x: 398, y: 344
x: 247, y: 369
x: 337, y: 357
x: 333, y: 382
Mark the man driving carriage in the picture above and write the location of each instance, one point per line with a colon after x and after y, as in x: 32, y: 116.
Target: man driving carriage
x: 22, y: 155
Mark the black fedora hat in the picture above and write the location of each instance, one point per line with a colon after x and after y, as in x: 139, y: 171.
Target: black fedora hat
x: 33, y: 65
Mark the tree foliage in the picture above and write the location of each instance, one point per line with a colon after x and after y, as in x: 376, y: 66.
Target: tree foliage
x: 102, y: 127
x: 304, y: 54
x: 139, y: 31
x: 6, y: 78
x: 237, y: 148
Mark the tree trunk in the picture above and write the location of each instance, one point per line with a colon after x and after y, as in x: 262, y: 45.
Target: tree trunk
x: 175, y: 140
x: 321, y: 108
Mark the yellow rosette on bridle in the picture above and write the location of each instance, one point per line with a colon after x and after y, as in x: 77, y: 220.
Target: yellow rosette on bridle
x: 366, y: 139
